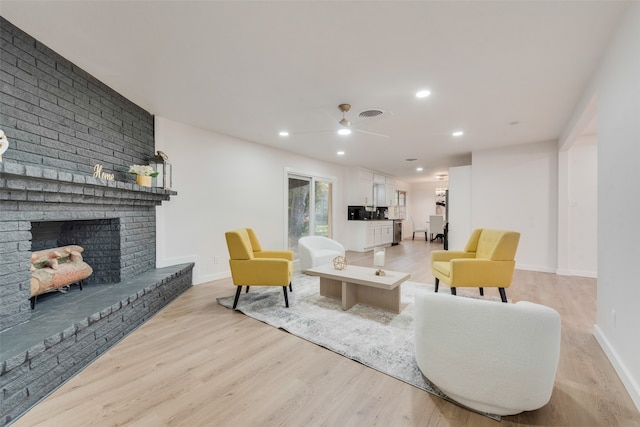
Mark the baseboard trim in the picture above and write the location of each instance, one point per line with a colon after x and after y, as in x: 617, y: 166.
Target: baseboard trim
x: 211, y: 277
x: 633, y: 388
x: 539, y: 268
x: 579, y: 273
x: 167, y: 262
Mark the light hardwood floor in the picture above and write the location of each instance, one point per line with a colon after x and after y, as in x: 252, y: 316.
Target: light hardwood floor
x: 197, y: 363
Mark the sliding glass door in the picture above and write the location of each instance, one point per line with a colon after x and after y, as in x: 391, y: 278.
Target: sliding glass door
x: 309, y: 208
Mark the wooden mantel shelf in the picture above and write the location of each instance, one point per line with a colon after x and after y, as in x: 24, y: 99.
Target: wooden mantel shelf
x: 28, y: 183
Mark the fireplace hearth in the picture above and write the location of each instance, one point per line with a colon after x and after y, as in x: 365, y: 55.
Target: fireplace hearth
x: 115, y: 223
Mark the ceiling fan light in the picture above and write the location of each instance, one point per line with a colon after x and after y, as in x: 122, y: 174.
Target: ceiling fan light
x: 344, y: 131
x: 345, y: 122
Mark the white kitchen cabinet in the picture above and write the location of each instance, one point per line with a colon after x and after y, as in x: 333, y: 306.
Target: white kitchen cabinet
x: 365, y: 193
x: 370, y: 240
x: 361, y: 188
x: 380, y: 195
x: 384, y: 234
x: 391, y: 195
x: 367, y: 188
x: 390, y: 191
x: 378, y: 236
x: 365, y: 235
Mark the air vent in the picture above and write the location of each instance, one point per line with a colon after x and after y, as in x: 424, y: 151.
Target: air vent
x: 370, y: 113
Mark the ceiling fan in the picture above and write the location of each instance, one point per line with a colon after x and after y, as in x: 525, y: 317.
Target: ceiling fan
x: 346, y: 127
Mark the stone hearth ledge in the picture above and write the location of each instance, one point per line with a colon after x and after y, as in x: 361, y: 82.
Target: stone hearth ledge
x: 39, y: 355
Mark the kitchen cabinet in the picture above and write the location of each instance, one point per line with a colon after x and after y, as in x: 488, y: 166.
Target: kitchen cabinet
x: 365, y: 193
x: 367, y: 188
x: 386, y: 234
x: 379, y: 191
x: 390, y: 190
x: 361, y: 188
x: 365, y: 235
x: 370, y: 240
x: 379, y: 195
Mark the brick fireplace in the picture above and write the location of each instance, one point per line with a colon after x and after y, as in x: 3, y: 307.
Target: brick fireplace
x: 34, y: 197
x: 61, y: 124
x: 114, y: 219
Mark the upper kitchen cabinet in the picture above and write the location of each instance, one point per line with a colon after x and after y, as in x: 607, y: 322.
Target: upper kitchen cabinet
x: 390, y: 188
x: 385, y: 192
x: 368, y: 188
x: 379, y: 193
x: 361, y: 188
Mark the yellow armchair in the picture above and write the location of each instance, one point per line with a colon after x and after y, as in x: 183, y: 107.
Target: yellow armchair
x: 253, y: 266
x: 488, y: 260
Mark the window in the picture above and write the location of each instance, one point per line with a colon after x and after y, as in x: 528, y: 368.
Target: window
x: 309, y: 208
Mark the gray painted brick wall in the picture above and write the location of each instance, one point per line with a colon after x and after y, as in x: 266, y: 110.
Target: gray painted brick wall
x: 61, y: 122
x: 58, y: 116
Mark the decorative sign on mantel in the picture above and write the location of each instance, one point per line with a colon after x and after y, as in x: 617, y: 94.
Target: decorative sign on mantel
x: 98, y: 173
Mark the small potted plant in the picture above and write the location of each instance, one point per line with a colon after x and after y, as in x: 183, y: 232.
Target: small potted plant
x: 143, y: 174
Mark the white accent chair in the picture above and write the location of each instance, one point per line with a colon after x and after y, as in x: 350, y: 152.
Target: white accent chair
x: 486, y: 355
x: 415, y: 230
x: 318, y: 250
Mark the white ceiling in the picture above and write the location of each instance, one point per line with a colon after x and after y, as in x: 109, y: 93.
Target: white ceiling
x: 504, y: 72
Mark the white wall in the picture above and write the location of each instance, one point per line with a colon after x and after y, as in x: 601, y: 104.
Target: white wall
x: 421, y: 202
x: 460, y: 187
x: 515, y: 188
x: 618, y: 94
x: 225, y: 183
x: 582, y: 209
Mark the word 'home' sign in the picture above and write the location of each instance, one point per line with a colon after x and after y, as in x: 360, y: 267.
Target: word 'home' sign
x: 98, y: 173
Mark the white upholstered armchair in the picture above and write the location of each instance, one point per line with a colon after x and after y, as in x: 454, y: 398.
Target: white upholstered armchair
x: 486, y: 355
x: 318, y: 250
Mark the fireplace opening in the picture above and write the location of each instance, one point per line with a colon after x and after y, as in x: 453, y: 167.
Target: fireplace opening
x: 100, y: 239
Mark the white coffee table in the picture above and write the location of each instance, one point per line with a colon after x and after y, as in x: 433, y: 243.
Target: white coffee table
x: 360, y: 285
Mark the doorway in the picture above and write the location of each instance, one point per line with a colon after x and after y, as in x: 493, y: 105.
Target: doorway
x: 309, y: 208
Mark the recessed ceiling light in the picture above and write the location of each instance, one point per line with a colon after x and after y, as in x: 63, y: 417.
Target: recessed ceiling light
x: 340, y: 153
x: 419, y: 169
x: 458, y: 133
x: 344, y: 131
x: 423, y: 93
x: 284, y: 133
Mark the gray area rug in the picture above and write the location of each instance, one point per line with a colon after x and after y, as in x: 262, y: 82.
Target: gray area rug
x: 376, y: 338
